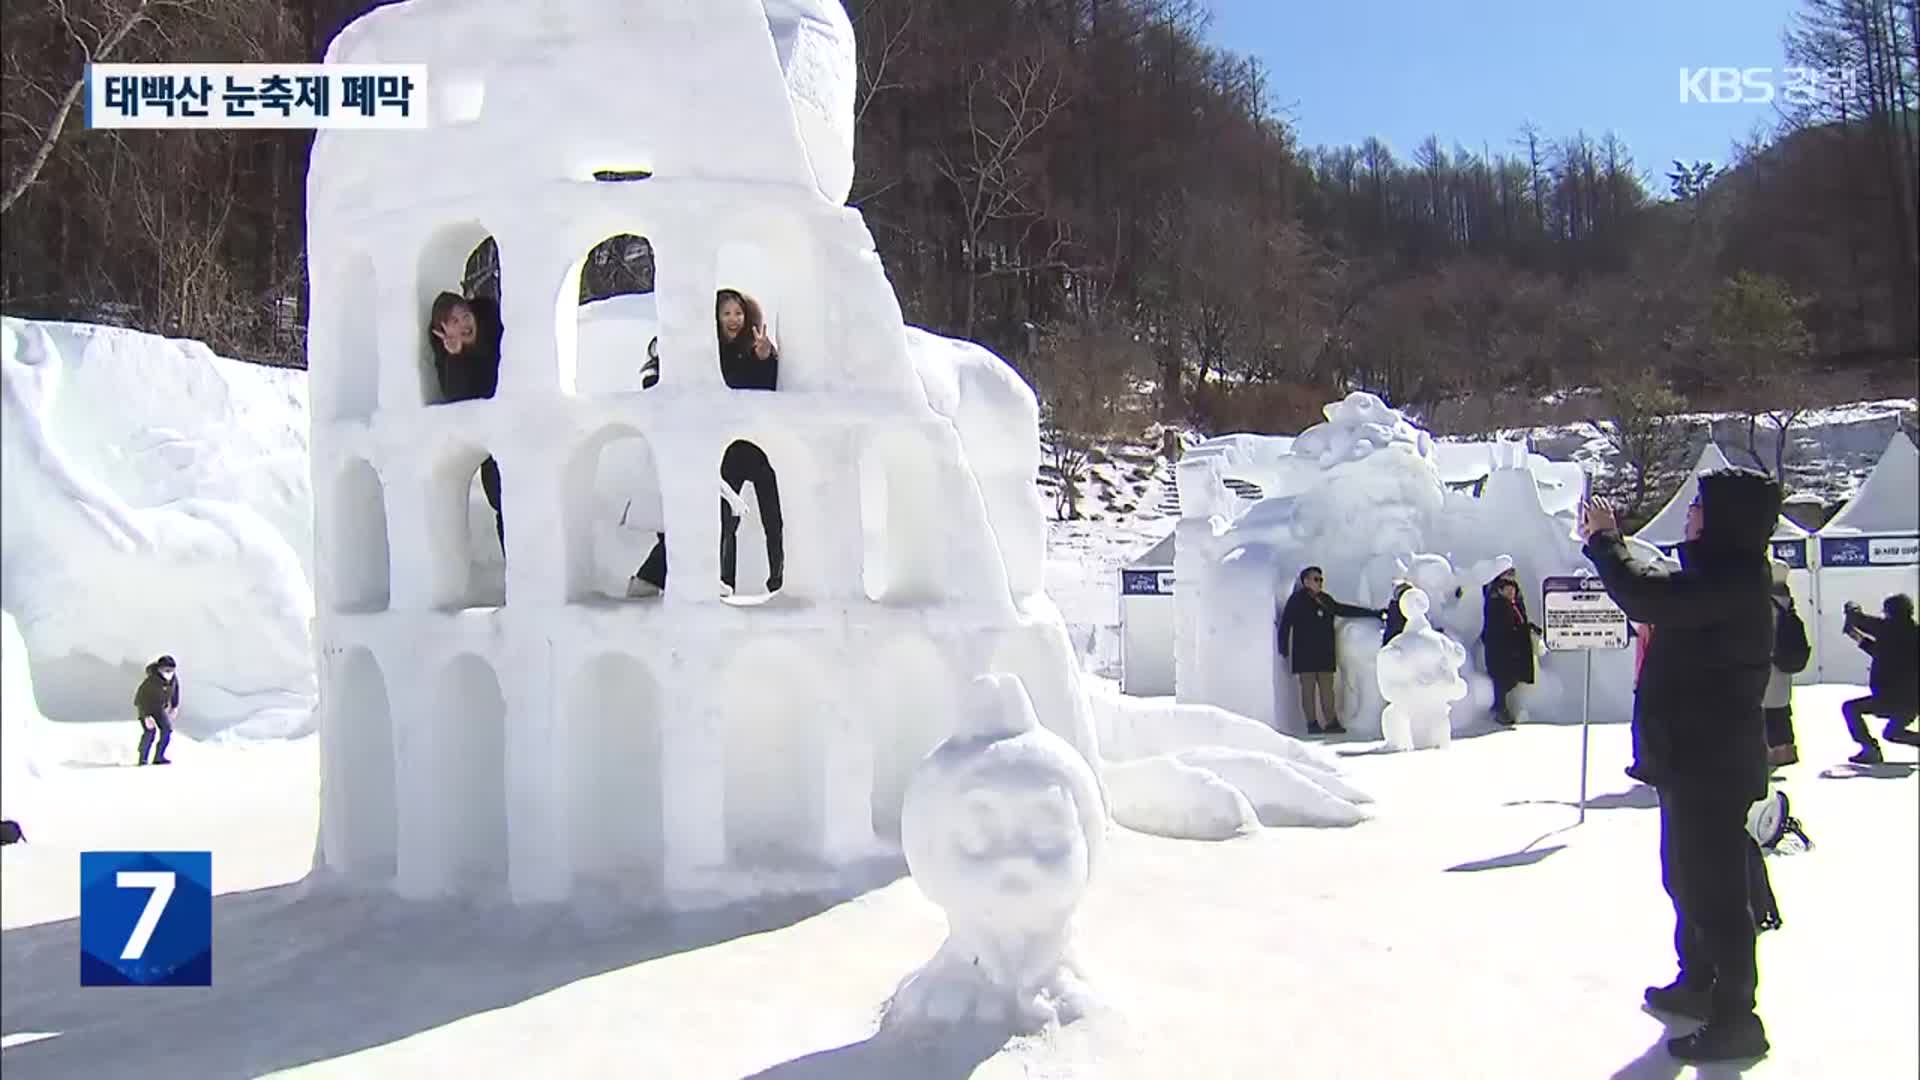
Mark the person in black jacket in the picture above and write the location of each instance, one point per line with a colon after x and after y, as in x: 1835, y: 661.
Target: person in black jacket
x: 157, y: 701
x: 466, y: 336
x: 1700, y: 740
x: 748, y: 361
x: 1507, y: 636
x: 1892, y: 640
x: 1306, y: 640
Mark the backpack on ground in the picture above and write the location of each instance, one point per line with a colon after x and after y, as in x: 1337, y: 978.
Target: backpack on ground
x: 1791, y: 649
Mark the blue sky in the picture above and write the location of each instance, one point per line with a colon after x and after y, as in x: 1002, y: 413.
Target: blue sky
x: 1473, y: 71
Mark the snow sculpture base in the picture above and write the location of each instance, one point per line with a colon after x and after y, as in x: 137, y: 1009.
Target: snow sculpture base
x: 1419, y: 674
x: 1002, y: 827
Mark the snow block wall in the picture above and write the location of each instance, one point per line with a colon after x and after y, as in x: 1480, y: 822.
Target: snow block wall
x: 540, y: 732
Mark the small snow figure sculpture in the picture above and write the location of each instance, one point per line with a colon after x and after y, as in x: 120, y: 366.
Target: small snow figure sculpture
x: 1002, y: 825
x: 1419, y: 674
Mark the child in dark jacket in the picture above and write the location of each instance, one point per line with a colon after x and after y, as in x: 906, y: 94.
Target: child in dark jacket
x: 156, y: 702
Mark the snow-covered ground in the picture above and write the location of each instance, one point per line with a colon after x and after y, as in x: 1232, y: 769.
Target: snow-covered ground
x: 1468, y: 930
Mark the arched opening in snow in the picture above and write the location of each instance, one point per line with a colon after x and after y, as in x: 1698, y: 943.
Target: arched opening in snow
x: 614, y: 784
x: 753, y: 539
x: 360, y: 767
x: 614, y: 516
x: 618, y: 327
x: 752, y: 272
x: 912, y: 691
x: 776, y: 721
x: 470, y: 762
x: 352, y: 366
x: 902, y: 526
x: 462, y: 258
x: 466, y: 536
x: 361, y: 566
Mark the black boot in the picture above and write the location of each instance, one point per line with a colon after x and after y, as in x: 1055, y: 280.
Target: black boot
x: 1736, y: 1038
x: 1680, y: 998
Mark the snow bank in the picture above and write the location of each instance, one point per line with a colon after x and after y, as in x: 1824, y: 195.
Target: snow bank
x: 19, y: 722
x: 1167, y: 797
x: 156, y: 500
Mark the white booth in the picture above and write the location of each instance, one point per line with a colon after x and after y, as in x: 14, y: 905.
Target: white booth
x: 1869, y: 551
x: 1791, y: 545
x: 1146, y: 622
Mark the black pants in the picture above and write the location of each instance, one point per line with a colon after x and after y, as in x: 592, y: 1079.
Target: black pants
x: 654, y: 570
x: 1705, y: 864
x: 1779, y: 726
x: 161, y: 727
x: 744, y: 463
x: 1897, y: 716
x: 490, y: 484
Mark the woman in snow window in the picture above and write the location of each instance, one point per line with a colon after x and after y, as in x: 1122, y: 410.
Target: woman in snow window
x: 748, y: 359
x: 465, y: 336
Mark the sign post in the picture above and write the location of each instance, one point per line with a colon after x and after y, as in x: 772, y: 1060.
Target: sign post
x: 1580, y: 616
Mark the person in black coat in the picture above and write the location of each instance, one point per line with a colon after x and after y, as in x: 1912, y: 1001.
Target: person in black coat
x: 466, y: 336
x: 1507, y: 637
x: 748, y: 361
x: 1893, y: 640
x: 156, y: 701
x: 1306, y: 640
x: 1700, y: 739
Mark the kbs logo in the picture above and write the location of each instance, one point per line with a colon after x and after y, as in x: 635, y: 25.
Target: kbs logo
x: 1763, y: 86
x: 146, y: 918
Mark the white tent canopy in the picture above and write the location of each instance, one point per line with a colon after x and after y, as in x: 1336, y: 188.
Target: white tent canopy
x: 1888, y: 502
x: 1869, y: 551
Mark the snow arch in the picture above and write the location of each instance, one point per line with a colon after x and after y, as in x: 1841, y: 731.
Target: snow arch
x: 775, y: 718
x: 362, y: 837
x: 362, y: 564
x: 469, y: 762
x: 614, y: 782
x: 613, y: 511
x: 913, y: 694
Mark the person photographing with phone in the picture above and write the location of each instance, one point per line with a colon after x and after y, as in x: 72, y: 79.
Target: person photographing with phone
x: 1893, y: 641
x: 1700, y: 739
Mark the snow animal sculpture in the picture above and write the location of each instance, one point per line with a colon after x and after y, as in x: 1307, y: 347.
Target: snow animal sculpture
x: 564, y: 740
x: 1363, y: 494
x: 1419, y: 672
x: 1459, y: 613
x: 1002, y: 829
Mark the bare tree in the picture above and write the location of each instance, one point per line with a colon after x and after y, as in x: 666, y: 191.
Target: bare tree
x: 989, y: 173
x: 98, y: 38
x: 1086, y: 376
x: 1644, y: 432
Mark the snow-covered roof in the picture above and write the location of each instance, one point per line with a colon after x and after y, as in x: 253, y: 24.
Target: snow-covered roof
x: 1669, y: 526
x: 1159, y: 556
x: 1887, y: 502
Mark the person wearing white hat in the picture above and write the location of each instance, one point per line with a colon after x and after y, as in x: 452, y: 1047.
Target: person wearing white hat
x: 1791, y: 652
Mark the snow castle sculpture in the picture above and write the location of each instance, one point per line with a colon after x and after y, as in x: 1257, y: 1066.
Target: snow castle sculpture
x: 554, y: 740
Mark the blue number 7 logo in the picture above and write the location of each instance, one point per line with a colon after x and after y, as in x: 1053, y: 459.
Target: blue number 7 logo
x: 146, y: 918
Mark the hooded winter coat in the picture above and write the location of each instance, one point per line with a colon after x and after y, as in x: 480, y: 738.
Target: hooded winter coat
x: 1697, y: 719
x: 1508, y: 637
x: 155, y: 695
x: 1306, y: 629
x: 742, y: 370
